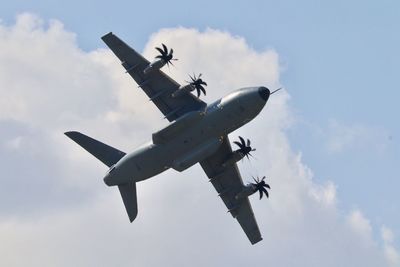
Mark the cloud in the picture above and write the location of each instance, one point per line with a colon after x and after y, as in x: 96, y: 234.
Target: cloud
x: 360, y: 225
x: 55, y: 210
x: 391, y: 254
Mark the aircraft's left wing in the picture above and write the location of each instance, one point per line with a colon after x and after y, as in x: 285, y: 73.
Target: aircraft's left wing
x: 228, y: 182
x: 157, y: 85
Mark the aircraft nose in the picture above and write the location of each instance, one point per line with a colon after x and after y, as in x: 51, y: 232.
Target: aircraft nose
x: 264, y: 93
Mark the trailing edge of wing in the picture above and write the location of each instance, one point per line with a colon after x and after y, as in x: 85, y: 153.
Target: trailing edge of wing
x: 105, y: 153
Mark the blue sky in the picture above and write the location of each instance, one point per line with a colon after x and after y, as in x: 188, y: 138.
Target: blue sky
x: 339, y: 63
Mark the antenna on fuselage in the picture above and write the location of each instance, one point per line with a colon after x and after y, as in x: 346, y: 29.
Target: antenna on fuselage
x: 276, y: 90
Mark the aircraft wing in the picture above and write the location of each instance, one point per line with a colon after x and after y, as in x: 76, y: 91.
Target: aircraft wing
x: 228, y: 182
x: 157, y: 85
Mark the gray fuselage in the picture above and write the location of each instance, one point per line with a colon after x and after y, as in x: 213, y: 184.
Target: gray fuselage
x: 189, y: 139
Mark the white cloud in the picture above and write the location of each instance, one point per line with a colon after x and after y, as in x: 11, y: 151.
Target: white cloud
x: 59, y: 213
x: 360, y: 225
x: 325, y: 194
x: 391, y: 254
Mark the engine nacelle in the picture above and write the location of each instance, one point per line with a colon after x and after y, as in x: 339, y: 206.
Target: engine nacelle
x: 234, y: 157
x: 182, y: 89
x: 155, y: 65
x: 247, y: 190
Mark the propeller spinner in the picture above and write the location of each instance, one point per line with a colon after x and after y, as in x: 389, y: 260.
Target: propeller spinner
x: 198, y: 83
x: 164, y: 55
x: 244, y: 147
x: 261, y: 186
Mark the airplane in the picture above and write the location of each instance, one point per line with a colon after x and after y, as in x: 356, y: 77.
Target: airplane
x: 197, y: 133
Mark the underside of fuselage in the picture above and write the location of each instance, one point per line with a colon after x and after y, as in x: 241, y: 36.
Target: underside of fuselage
x: 193, y: 138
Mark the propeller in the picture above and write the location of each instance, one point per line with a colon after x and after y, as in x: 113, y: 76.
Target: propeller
x: 244, y: 148
x: 164, y: 55
x: 260, y: 186
x: 198, y: 83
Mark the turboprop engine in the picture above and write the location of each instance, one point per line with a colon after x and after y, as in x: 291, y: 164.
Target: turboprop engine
x: 182, y: 89
x: 155, y: 65
x: 196, y: 83
x: 247, y: 190
x: 243, y: 151
x: 163, y: 59
x: 234, y: 157
x: 251, y: 188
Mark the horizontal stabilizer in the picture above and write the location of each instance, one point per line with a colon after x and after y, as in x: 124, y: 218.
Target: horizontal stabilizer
x: 105, y: 153
x: 128, y: 194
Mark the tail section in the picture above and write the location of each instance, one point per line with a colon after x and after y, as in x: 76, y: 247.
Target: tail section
x: 105, y: 153
x: 128, y: 194
x: 109, y: 156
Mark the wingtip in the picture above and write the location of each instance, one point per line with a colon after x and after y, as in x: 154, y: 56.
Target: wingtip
x: 71, y: 133
x: 253, y: 242
x: 106, y: 35
x: 132, y: 217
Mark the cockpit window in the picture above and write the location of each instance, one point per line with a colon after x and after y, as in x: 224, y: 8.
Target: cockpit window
x: 229, y: 97
x: 213, y: 106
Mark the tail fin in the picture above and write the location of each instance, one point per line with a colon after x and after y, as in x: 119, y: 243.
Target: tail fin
x: 105, y: 153
x: 109, y: 156
x: 128, y: 194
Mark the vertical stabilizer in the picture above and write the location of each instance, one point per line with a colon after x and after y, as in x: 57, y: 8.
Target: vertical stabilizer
x: 128, y: 194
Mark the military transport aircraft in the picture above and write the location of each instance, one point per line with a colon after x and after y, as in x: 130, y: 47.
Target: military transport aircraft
x: 198, y: 133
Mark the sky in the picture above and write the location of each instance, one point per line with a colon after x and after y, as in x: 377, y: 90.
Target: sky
x: 328, y: 142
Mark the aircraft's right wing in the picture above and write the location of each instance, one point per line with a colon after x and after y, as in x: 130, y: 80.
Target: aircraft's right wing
x: 228, y: 182
x: 157, y: 85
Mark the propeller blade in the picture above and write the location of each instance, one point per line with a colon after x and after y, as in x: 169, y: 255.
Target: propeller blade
x: 160, y: 50
x: 265, y: 191
x: 198, y: 91
x: 168, y: 65
x: 261, y: 194
x: 248, y: 142
x: 242, y: 141
x: 202, y: 89
x: 165, y: 49
x: 238, y: 144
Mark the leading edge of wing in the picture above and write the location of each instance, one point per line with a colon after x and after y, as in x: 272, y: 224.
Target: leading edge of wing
x: 157, y: 85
